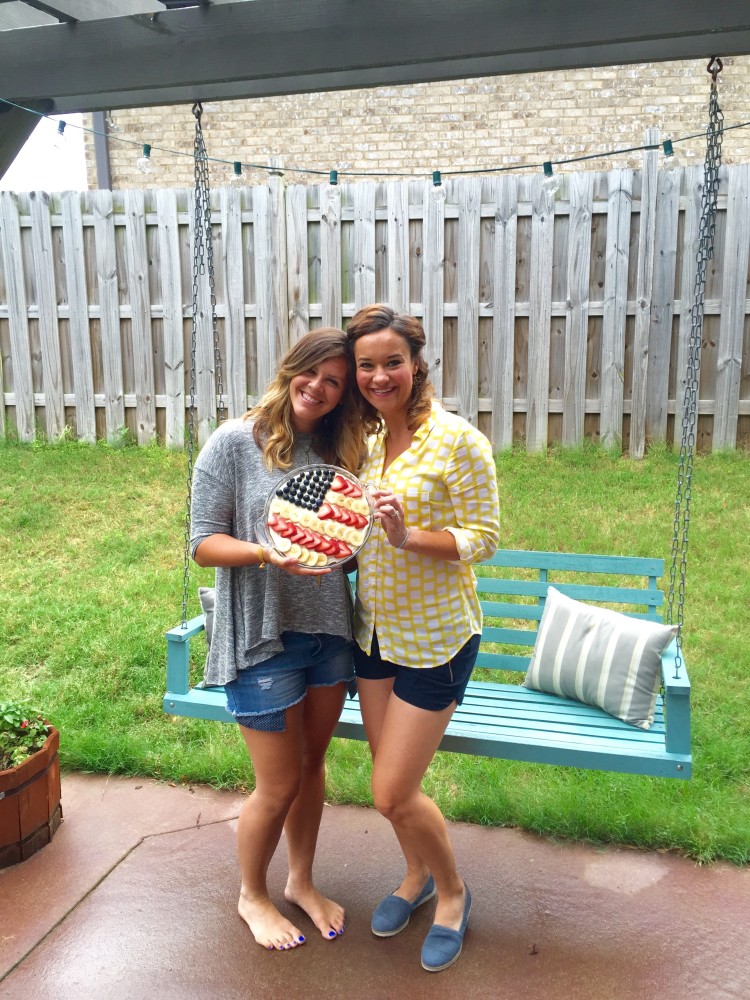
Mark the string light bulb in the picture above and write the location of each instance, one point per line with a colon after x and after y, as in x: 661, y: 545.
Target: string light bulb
x: 671, y: 160
x: 551, y: 182
x: 59, y: 142
x: 143, y: 163
x: 333, y: 191
x: 438, y: 192
x: 236, y: 180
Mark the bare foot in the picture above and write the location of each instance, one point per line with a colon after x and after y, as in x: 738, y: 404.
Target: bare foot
x: 327, y: 916
x: 268, y: 927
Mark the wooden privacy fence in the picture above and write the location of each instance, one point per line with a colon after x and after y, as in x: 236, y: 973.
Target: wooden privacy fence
x: 548, y: 317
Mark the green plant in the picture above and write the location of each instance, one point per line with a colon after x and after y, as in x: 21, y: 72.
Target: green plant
x: 23, y: 731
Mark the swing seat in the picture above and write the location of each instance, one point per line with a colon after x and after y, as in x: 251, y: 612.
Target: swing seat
x: 507, y: 720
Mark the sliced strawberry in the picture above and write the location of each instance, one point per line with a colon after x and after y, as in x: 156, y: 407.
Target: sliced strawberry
x: 304, y: 536
x: 329, y: 546
x: 361, y: 521
x: 354, y: 490
x: 339, y: 484
x: 344, y: 550
x: 325, y: 511
x: 317, y: 541
x: 342, y: 515
x: 283, y: 527
x: 273, y: 520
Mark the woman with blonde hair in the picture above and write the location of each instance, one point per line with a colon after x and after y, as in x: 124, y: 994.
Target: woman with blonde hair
x: 417, y: 617
x: 282, y: 631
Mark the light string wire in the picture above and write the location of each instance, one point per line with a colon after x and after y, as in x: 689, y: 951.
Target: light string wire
x: 271, y: 169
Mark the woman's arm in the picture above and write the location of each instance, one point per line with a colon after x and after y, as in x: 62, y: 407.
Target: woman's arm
x: 224, y: 550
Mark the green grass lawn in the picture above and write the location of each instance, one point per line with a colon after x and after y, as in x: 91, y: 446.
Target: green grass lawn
x: 92, y: 578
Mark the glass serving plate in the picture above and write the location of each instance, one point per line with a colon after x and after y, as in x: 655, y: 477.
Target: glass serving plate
x: 321, y: 514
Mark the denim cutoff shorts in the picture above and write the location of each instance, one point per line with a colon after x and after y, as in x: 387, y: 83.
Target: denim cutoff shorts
x: 260, y: 695
x: 430, y: 688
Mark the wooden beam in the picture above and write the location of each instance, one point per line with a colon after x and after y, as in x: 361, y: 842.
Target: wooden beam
x: 263, y: 47
x: 15, y: 128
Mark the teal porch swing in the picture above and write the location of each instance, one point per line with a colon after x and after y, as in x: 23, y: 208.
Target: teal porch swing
x: 508, y: 720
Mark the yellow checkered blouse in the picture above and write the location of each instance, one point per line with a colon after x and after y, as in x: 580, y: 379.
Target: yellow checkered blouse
x: 424, y: 610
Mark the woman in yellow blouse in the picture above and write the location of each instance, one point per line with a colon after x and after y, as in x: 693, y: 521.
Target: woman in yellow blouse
x: 417, y: 616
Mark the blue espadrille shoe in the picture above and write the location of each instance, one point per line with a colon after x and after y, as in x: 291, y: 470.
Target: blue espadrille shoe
x: 443, y: 945
x: 392, y: 914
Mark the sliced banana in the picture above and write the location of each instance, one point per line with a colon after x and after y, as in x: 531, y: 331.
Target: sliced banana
x: 295, y: 550
x: 322, y: 558
x: 279, y: 542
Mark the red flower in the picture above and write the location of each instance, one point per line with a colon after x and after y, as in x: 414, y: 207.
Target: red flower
x: 24, y: 724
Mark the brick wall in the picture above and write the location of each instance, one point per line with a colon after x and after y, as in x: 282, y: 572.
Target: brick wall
x: 458, y: 125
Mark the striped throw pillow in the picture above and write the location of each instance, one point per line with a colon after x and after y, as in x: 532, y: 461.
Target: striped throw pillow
x: 599, y: 657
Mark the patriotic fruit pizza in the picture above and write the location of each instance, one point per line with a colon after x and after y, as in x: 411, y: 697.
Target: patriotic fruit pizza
x: 319, y: 513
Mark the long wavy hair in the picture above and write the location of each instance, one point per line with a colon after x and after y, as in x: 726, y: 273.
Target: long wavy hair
x: 371, y: 319
x: 339, y: 438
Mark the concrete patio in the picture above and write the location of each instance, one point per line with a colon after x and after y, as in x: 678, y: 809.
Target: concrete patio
x: 136, y: 897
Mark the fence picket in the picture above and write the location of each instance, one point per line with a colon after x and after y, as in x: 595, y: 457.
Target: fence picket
x: 49, y: 333
x: 80, y: 338
x: 18, y: 316
x: 433, y: 251
x: 504, y: 309
x: 330, y: 254
x: 662, y: 304
x: 467, y: 374
x: 398, y: 246
x: 297, y: 265
x: 540, y: 300
x: 731, y: 329
x: 171, y: 299
x: 234, y: 371
x: 643, y: 293
x: 615, y: 306
x: 364, y: 244
x: 577, y: 319
x: 140, y: 300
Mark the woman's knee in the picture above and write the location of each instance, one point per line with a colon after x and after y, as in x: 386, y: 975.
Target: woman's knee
x: 277, y: 796
x: 391, y: 800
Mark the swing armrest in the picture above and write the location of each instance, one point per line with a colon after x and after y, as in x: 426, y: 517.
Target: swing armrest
x: 676, y: 701
x: 178, y: 654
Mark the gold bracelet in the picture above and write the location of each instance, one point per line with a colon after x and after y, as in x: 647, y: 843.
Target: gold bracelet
x: 261, y: 560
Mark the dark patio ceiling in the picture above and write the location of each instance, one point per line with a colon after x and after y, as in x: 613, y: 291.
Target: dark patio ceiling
x: 127, y: 53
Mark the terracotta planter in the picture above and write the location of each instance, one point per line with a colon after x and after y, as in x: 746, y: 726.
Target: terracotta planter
x: 30, y: 809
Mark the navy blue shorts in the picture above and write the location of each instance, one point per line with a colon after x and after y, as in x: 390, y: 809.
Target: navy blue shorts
x: 431, y: 688
x: 260, y: 695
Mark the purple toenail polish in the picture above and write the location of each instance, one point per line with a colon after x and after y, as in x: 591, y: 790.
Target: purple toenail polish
x: 301, y: 939
x: 332, y: 934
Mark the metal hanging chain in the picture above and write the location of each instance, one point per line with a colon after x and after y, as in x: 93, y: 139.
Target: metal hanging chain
x: 203, y: 254
x: 706, y: 237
